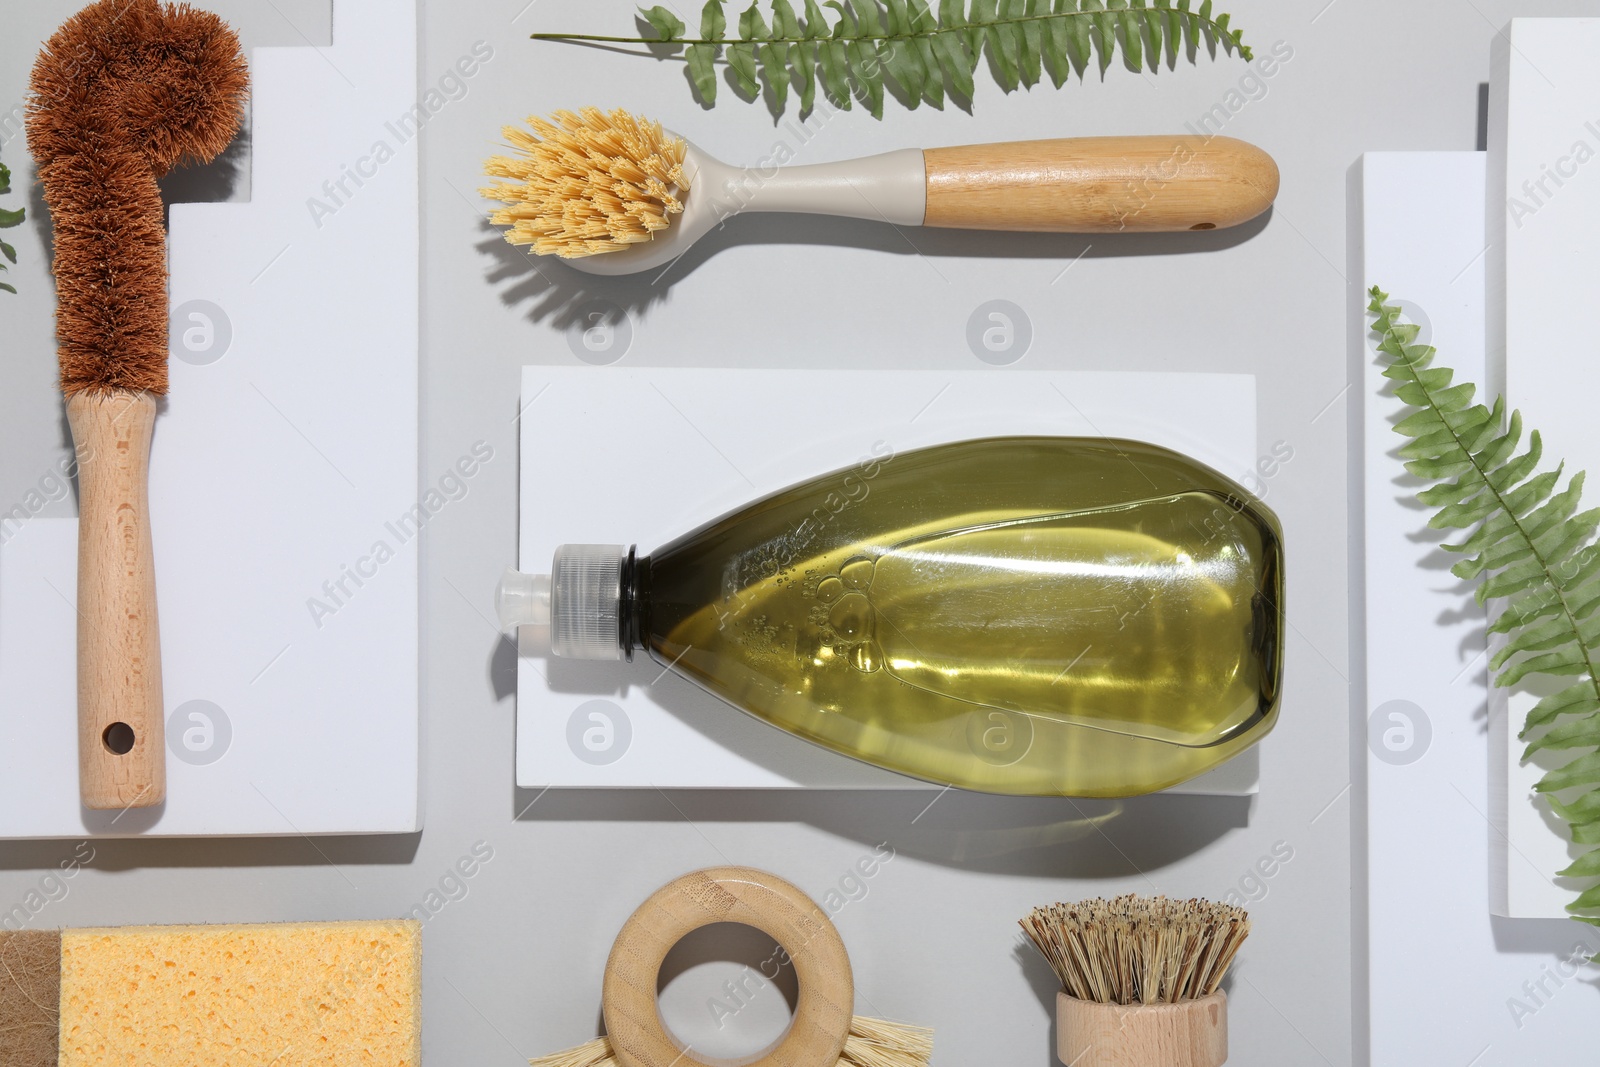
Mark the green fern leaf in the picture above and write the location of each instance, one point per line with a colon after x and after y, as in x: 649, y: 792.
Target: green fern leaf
x: 742, y: 61
x: 1132, y: 27
x: 1152, y: 28
x: 923, y: 51
x: 956, y: 62
x: 1579, y: 699
x: 816, y: 22
x: 668, y: 27
x: 9, y: 217
x: 703, y: 69
x: 713, y: 22
x: 1586, y: 866
x: 1584, y: 770
x: 1588, y: 900
x: 1527, y: 541
x: 834, y: 67
x: 866, y: 68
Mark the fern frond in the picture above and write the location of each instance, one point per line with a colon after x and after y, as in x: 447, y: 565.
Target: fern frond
x: 1528, y: 543
x: 871, y: 42
x: 8, y: 218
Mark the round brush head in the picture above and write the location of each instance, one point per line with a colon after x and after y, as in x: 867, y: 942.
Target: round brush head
x: 1138, y: 950
x: 121, y: 93
x: 1140, y: 979
x: 587, y: 183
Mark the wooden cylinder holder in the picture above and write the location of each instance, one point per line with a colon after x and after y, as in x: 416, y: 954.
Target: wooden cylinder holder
x: 822, y: 1016
x: 1100, y: 184
x: 1190, y: 1033
x: 121, y: 742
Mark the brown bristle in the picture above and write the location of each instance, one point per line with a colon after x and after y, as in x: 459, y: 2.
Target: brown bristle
x: 1139, y: 950
x: 30, y: 997
x: 587, y: 183
x: 124, y: 91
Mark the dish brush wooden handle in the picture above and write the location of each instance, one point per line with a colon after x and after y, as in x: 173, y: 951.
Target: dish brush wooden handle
x: 1100, y: 184
x: 1190, y: 1033
x: 121, y: 742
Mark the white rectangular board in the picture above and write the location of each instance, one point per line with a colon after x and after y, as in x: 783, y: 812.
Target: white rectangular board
x: 639, y: 456
x: 1511, y: 992
x: 1544, y: 210
x: 286, y: 451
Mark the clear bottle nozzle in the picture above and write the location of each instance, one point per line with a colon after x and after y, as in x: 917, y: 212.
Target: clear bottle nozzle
x: 522, y: 600
x: 579, y: 600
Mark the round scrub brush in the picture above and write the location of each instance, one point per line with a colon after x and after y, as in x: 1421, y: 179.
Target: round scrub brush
x: 124, y: 91
x: 616, y: 194
x: 823, y: 1033
x: 1140, y: 979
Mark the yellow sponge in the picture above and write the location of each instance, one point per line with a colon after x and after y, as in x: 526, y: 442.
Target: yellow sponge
x: 267, y: 995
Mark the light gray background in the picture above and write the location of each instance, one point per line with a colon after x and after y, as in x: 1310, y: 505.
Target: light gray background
x: 513, y: 966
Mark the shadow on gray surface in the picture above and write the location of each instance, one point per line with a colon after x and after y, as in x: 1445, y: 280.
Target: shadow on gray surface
x: 503, y: 668
x: 1542, y: 936
x: 129, y: 854
x: 1045, y: 986
x: 224, y: 179
x: 1566, y: 942
x: 732, y: 943
x: 1037, y: 837
x: 558, y: 292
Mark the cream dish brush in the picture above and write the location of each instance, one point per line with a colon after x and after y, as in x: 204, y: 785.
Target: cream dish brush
x: 616, y: 194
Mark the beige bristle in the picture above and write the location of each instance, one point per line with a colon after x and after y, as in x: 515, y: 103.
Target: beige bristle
x: 596, y: 1053
x: 587, y: 183
x: 872, y: 1043
x: 878, y: 1043
x: 1139, y: 950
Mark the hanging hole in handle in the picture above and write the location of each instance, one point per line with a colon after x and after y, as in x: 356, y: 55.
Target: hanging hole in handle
x: 118, y: 738
x: 1203, y: 226
x: 727, y: 991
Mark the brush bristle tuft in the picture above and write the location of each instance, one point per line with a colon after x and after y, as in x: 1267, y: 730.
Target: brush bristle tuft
x: 121, y: 93
x: 878, y: 1043
x: 1139, y: 950
x: 587, y: 183
x: 871, y: 1043
x: 596, y: 1053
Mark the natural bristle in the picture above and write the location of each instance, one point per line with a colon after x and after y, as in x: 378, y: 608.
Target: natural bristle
x: 876, y: 1043
x: 1139, y: 950
x: 587, y: 183
x: 124, y: 91
x: 871, y: 1043
x: 596, y: 1053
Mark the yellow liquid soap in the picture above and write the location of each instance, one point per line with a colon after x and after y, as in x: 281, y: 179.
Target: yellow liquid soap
x: 1043, y: 616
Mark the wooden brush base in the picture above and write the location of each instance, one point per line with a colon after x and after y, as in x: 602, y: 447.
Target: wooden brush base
x: 1193, y: 1033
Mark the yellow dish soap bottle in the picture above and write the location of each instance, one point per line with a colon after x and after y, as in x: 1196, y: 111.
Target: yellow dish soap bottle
x: 1044, y: 616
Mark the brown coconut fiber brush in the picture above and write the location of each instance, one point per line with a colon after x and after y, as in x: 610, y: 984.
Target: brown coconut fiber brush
x: 124, y: 91
x: 1140, y: 979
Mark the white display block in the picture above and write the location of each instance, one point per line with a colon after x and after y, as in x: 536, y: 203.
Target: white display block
x: 285, y: 453
x: 1433, y: 950
x: 1544, y: 210
x: 640, y: 456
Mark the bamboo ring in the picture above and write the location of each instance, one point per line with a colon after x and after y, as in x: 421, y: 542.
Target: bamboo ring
x: 804, y: 933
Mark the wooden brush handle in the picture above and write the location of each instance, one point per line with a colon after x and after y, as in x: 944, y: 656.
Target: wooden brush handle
x: 121, y: 743
x: 1191, y: 1033
x: 823, y: 1015
x: 1100, y: 184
